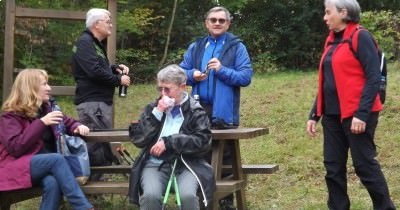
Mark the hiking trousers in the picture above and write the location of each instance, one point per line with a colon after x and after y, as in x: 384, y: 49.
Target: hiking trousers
x: 338, y: 139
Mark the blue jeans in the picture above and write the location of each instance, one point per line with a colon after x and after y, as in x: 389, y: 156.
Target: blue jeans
x: 51, y: 171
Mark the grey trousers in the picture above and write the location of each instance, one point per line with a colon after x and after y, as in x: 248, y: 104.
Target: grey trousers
x: 154, y: 183
x: 97, y: 115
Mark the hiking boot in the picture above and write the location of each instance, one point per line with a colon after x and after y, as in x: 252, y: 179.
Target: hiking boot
x: 226, y: 204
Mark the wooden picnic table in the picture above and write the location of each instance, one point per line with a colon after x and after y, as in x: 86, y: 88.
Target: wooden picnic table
x: 235, y: 184
x: 122, y: 135
x: 221, y: 138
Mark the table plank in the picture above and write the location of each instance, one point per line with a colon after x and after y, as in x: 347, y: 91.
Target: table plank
x: 238, y: 133
x: 123, y: 135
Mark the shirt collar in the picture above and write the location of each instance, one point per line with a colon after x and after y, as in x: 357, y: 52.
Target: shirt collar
x: 219, y: 39
x: 176, y: 110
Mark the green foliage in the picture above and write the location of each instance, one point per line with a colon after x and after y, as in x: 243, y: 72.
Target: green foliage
x: 44, y: 44
x: 289, y: 30
x: 135, y: 21
x: 385, y: 26
x: 29, y: 60
x: 368, y: 5
x: 233, y: 6
x: 62, y: 4
x: 264, y: 63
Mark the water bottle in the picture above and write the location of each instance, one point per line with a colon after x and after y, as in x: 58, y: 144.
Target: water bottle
x: 122, y: 90
x: 60, y: 127
x: 383, y: 83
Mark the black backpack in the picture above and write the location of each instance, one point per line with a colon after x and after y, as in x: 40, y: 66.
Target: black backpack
x: 383, y: 82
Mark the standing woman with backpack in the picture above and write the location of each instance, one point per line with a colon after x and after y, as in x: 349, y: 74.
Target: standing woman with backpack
x: 349, y: 105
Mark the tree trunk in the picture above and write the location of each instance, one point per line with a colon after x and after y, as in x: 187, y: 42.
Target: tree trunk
x: 168, y: 35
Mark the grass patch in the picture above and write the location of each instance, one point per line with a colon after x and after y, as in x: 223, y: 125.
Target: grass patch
x: 281, y: 102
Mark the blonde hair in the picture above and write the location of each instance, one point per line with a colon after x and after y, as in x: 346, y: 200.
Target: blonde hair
x: 24, y: 97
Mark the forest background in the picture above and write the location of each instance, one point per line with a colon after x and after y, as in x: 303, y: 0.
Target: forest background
x: 280, y: 35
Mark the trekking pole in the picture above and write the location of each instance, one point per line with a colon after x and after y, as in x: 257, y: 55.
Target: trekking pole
x: 171, y: 178
x: 178, y: 197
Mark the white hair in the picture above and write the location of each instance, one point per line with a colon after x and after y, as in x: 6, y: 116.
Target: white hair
x: 94, y: 15
x: 172, y: 74
x: 352, y: 7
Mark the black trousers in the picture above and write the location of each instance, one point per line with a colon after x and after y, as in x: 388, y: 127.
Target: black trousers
x: 338, y: 139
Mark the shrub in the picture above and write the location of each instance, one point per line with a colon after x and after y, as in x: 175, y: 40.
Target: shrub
x: 385, y: 26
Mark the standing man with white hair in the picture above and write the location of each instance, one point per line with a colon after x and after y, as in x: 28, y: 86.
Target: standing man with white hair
x: 96, y: 80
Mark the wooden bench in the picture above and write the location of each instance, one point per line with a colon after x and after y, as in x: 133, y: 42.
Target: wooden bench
x: 224, y: 186
x: 247, y: 169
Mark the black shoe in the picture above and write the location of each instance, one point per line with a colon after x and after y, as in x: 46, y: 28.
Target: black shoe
x: 226, y: 204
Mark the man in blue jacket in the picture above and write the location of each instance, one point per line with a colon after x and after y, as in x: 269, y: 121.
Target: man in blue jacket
x: 217, y: 65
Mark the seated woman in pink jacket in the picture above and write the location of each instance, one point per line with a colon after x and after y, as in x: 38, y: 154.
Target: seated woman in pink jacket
x: 28, y: 145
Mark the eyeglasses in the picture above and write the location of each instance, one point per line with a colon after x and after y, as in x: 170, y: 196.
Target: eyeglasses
x: 107, y: 21
x: 214, y: 20
x: 165, y: 89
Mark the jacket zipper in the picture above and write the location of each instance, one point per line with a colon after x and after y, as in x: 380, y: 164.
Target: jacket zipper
x: 198, y: 180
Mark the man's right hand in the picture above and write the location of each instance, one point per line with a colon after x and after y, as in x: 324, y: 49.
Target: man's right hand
x: 311, y: 128
x: 198, y: 76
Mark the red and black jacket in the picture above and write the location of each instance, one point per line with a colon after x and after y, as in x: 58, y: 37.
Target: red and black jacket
x: 350, y: 79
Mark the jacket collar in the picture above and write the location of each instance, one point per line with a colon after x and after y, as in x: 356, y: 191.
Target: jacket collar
x: 101, y: 44
x: 347, y: 31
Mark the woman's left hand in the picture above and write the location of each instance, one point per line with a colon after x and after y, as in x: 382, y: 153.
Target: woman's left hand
x: 82, y: 130
x: 357, y: 126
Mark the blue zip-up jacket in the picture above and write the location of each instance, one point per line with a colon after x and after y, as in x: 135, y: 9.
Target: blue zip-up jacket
x: 222, y: 89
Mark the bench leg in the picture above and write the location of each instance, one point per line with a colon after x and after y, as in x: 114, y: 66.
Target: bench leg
x: 215, y: 205
x: 238, y: 174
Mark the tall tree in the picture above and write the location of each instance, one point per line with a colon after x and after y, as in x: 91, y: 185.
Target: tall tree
x: 168, y: 34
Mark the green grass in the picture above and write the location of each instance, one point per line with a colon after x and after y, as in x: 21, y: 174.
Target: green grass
x: 281, y: 102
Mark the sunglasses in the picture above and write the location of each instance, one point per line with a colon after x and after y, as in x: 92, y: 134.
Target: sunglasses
x: 214, y: 20
x: 165, y: 89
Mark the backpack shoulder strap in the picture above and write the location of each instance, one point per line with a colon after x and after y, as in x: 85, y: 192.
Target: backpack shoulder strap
x: 353, y: 40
